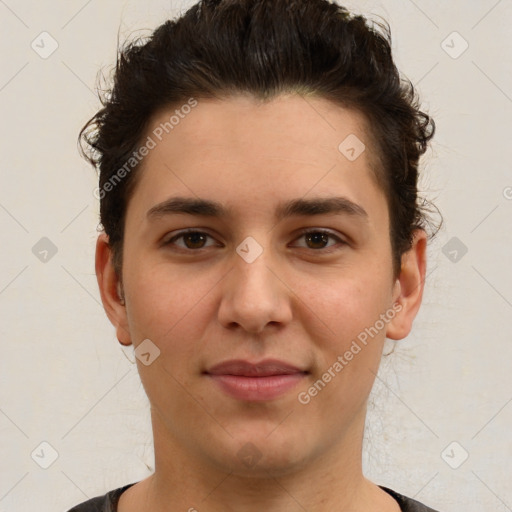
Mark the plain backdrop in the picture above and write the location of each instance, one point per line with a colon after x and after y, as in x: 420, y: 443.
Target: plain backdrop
x: 74, y: 419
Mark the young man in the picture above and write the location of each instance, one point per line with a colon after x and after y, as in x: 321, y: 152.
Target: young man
x: 258, y: 167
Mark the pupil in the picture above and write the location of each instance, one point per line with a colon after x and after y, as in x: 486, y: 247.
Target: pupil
x: 318, y: 238
x: 194, y: 237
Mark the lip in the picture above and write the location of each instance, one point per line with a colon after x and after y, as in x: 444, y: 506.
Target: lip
x: 264, y: 380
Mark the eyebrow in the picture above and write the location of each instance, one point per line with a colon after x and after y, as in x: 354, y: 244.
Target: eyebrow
x: 295, y: 207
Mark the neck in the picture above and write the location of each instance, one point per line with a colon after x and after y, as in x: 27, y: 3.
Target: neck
x: 185, y: 481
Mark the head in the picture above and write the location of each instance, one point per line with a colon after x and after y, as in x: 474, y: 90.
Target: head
x: 254, y: 108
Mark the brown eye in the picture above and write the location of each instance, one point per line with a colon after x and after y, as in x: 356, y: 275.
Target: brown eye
x: 192, y: 240
x: 318, y: 239
x: 196, y: 240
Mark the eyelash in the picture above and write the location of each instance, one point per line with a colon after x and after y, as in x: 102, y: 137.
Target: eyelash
x: 302, y: 233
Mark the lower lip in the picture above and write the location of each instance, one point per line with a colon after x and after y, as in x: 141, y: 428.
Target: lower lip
x: 257, y: 388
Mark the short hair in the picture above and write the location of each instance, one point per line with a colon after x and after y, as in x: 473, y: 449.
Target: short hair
x: 219, y: 48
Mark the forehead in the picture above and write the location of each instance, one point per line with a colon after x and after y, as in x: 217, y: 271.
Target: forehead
x: 290, y: 145
x: 289, y: 122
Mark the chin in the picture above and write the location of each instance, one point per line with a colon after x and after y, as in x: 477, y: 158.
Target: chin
x: 261, y: 455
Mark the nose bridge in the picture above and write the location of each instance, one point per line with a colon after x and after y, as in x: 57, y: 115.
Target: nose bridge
x: 253, y: 296
x: 252, y: 271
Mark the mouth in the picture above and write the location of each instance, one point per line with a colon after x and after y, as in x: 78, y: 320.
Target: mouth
x: 265, y: 380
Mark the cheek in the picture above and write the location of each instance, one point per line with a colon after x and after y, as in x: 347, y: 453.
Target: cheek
x: 167, y: 305
x: 340, y: 309
x: 348, y: 351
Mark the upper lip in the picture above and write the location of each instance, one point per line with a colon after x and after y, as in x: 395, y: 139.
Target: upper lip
x: 265, y: 368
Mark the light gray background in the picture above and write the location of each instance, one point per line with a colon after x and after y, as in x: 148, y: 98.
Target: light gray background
x: 66, y: 381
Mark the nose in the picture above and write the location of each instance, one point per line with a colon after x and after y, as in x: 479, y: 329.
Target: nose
x: 254, y: 295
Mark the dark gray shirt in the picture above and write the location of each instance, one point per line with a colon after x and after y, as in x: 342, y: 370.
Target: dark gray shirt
x: 108, y: 502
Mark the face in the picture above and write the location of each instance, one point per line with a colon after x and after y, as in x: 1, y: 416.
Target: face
x: 261, y: 280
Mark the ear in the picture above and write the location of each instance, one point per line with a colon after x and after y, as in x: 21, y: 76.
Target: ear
x: 111, y: 289
x: 409, y: 287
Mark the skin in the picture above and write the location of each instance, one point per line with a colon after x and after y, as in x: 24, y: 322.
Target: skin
x: 201, y: 303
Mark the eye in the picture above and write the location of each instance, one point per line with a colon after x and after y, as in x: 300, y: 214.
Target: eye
x: 192, y: 239
x: 318, y: 238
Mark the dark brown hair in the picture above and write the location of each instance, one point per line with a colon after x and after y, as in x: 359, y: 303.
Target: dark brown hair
x: 265, y: 48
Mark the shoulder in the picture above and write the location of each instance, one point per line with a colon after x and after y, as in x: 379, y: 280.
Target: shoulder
x: 407, y: 504
x: 105, y: 503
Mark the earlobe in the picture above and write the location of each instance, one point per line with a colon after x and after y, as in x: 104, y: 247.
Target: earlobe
x: 409, y: 287
x: 111, y: 290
